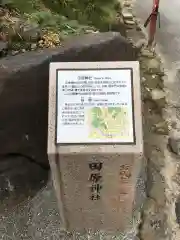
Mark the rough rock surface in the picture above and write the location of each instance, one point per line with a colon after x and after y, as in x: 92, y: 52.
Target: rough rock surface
x: 154, y: 218
x: 19, y: 178
x: 3, y: 46
x: 24, y: 100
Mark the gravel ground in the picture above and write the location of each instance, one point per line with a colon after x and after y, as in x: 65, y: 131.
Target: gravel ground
x: 33, y: 220
x: 39, y: 219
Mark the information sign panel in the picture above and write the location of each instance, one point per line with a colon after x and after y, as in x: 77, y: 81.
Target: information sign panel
x: 94, y: 106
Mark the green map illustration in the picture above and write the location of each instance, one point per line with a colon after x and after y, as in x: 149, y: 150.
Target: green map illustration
x: 110, y: 121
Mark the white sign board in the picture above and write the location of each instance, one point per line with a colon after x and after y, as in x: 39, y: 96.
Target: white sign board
x: 95, y: 106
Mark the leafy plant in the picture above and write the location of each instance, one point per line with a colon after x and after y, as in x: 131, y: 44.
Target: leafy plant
x: 55, y: 19
x: 6, y: 2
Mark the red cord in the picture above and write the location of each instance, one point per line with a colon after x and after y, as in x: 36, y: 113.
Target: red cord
x: 153, y: 21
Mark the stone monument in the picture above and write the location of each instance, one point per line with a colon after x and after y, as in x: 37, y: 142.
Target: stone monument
x: 95, y: 142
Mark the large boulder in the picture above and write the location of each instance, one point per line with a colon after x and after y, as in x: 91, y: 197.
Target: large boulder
x: 24, y: 95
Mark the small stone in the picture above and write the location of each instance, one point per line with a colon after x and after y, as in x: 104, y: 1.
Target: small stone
x: 157, y: 190
x: 174, y: 144
x: 127, y: 15
x: 143, y: 79
x: 159, y: 97
x: 147, y: 53
x: 33, y: 46
x: 14, y: 53
x: 90, y: 31
x: 153, y: 66
x: 161, y: 128
x: 129, y: 22
x: 127, y: 4
x: 157, y: 94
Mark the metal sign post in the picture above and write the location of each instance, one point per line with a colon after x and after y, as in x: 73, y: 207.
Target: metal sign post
x: 152, y: 21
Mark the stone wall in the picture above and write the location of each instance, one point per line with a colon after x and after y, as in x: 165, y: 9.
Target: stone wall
x: 160, y: 215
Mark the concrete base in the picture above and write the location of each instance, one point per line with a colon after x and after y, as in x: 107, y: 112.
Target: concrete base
x: 96, y: 192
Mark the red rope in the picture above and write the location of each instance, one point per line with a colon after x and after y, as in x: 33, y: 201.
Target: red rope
x: 152, y: 20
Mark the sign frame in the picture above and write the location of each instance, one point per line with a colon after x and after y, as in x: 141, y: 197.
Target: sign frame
x: 95, y: 143
x: 89, y: 148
